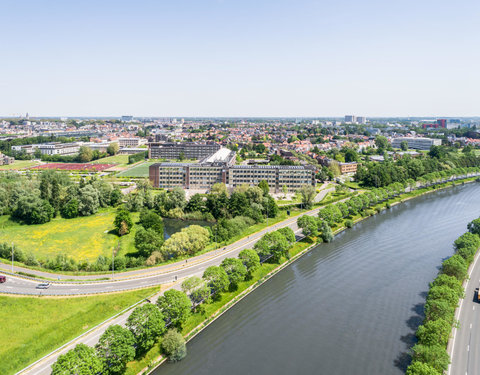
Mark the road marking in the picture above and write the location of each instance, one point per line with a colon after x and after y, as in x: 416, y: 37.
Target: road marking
x: 474, y: 307
x: 470, y: 325
x: 74, y: 289
x: 468, y: 348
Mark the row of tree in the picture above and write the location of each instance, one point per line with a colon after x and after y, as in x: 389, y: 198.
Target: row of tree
x: 429, y: 354
x: 375, y: 174
x: 36, y: 199
x: 148, y: 323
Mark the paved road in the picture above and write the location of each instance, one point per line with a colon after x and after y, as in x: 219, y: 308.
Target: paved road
x: 465, y: 344
x: 142, y: 278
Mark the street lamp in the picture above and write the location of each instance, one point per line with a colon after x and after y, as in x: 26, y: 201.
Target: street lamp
x: 12, y: 257
x: 113, y: 262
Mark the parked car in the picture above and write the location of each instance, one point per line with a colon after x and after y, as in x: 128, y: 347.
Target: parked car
x: 43, y: 286
x: 3, y: 279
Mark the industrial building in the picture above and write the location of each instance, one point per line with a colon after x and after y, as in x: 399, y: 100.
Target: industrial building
x: 53, y: 148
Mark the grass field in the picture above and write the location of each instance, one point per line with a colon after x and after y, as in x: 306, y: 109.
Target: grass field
x: 19, y: 164
x: 140, y: 170
x: 82, y: 238
x: 117, y: 159
x: 32, y: 327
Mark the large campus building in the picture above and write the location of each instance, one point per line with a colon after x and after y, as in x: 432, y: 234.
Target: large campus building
x: 219, y: 167
x: 417, y: 143
x: 173, y: 150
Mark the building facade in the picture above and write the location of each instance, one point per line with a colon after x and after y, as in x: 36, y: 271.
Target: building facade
x: 417, y: 143
x: 172, y: 151
x: 54, y: 148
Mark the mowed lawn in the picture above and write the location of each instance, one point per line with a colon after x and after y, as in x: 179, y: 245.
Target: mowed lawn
x: 19, y: 164
x: 116, y: 159
x: 82, y: 238
x: 140, y: 170
x: 32, y: 327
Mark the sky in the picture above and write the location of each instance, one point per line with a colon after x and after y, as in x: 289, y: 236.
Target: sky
x: 242, y: 58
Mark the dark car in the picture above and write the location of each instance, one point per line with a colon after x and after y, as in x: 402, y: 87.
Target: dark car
x: 43, y: 286
x: 3, y: 279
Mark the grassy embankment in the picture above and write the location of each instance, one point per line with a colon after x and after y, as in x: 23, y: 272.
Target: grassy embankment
x: 211, y: 311
x: 32, y: 327
x: 121, y: 160
x: 19, y: 164
x: 139, y: 170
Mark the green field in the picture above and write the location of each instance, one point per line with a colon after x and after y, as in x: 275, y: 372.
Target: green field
x: 19, y: 164
x: 140, y: 170
x: 32, y: 327
x: 82, y: 238
x: 117, y: 159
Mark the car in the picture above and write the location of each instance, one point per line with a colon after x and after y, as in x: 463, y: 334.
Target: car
x: 43, y: 286
x: 3, y: 279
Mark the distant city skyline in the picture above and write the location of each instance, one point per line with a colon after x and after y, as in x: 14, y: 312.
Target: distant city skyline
x: 225, y: 58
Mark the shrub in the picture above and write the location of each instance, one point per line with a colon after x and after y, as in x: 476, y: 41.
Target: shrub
x: 173, y: 346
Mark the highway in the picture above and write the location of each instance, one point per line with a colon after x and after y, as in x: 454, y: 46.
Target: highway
x: 465, y: 343
x: 139, y: 278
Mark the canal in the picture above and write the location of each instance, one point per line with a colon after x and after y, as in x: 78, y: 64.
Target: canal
x: 348, y: 307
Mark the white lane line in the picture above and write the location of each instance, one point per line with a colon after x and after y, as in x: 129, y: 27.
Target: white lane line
x: 474, y: 307
x: 74, y: 289
x: 470, y: 325
x: 468, y: 348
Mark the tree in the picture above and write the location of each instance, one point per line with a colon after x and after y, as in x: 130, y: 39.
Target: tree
x: 434, y: 332
x: 434, y: 355
x: 176, y: 198
x: 308, y: 224
x: 147, y: 241
x: 250, y: 260
x: 474, y: 226
x: 216, y: 278
x: 449, y: 281
x: 381, y: 142
x: 196, y: 203
x: 149, y: 219
x: 116, y: 348
x: 327, y: 234
x: 123, y: 222
x: 113, y: 148
x: 235, y: 270
x: 238, y: 204
x: 439, y: 309
x: 70, y: 209
x: 181, y: 156
x: 196, y: 288
x: 272, y: 246
x: 85, y: 154
x: 146, y: 323
x: 289, y: 234
x: 455, y: 266
x: 284, y: 190
x: 82, y: 360
x: 88, y: 202
x: 404, y: 145
x: 175, y: 306
x: 420, y: 368
x: 219, y: 188
x: 264, y: 186
x: 350, y: 155
x: 307, y: 193
x: 189, y: 240
x: 30, y: 209
x: 217, y: 204
x: 445, y: 293
x: 467, y: 240
x: 173, y: 345
x: 270, y: 206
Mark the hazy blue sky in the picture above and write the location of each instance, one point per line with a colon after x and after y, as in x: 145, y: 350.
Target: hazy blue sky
x: 240, y: 58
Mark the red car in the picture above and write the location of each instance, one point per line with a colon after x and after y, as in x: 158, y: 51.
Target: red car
x: 3, y: 279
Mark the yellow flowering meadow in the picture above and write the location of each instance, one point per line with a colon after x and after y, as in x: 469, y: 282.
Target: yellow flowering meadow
x: 82, y: 238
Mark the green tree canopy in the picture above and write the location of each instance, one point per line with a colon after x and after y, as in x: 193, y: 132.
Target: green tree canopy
x: 82, y: 360
x: 116, y: 348
x: 146, y: 323
x: 175, y: 306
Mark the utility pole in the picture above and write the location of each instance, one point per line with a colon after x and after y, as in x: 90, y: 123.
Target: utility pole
x: 113, y: 262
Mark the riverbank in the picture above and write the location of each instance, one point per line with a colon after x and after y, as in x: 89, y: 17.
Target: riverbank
x: 155, y: 362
